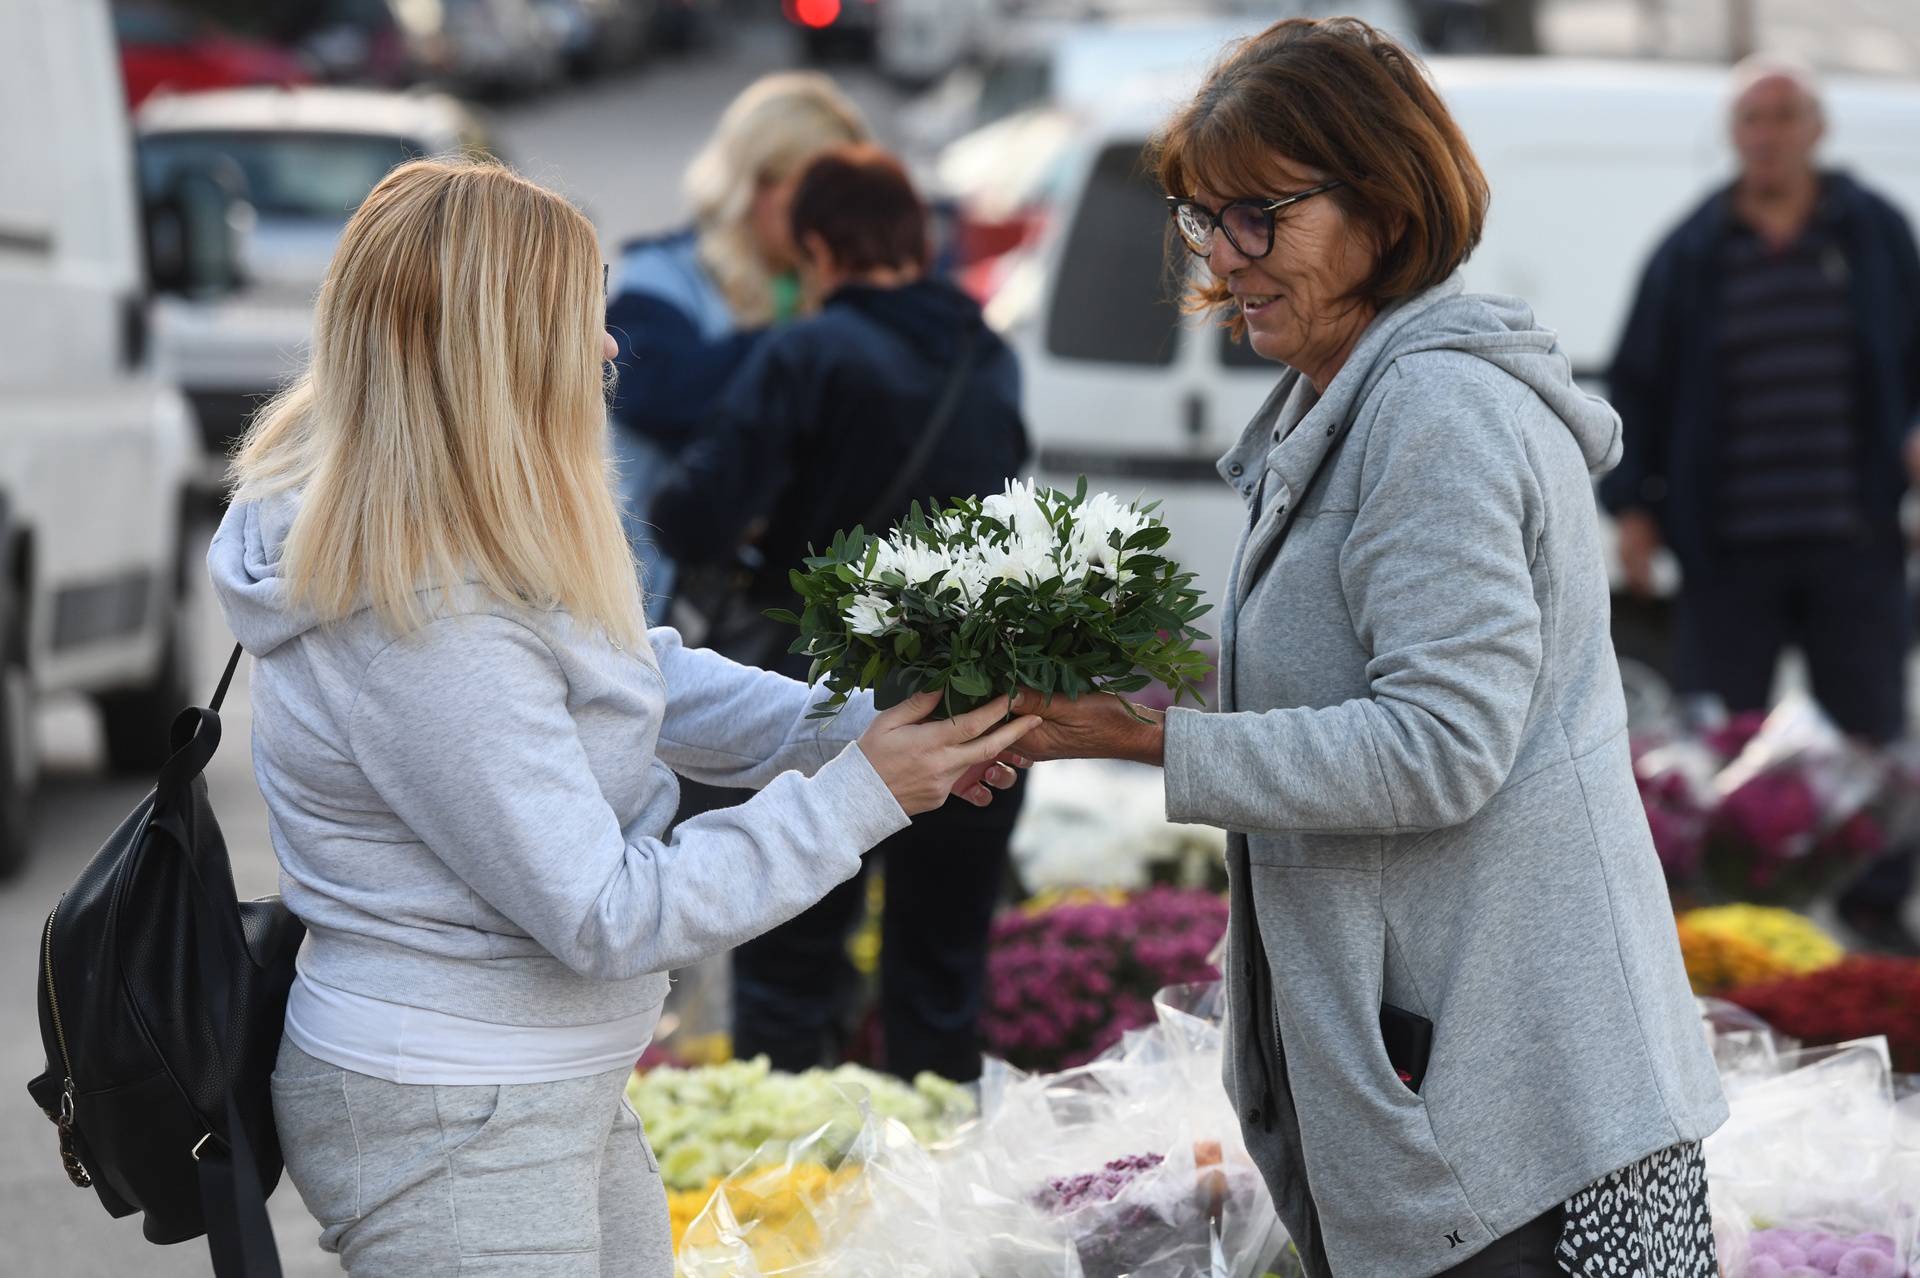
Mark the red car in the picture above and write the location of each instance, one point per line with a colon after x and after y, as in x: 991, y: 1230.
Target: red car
x: 163, y: 49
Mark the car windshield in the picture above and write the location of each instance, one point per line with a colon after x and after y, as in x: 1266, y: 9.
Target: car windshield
x: 1112, y: 302
x: 311, y: 176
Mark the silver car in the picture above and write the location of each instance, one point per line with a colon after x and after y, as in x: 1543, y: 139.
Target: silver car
x: 301, y: 160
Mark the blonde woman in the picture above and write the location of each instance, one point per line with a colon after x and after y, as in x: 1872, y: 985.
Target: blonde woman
x: 468, y: 743
x: 689, y: 307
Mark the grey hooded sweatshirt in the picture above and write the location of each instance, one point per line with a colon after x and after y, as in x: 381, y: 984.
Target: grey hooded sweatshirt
x: 1421, y: 754
x: 469, y: 817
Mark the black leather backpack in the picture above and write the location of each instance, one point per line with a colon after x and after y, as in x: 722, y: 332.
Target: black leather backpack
x: 161, y: 1002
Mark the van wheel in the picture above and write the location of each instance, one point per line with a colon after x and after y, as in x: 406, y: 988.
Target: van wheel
x: 137, y: 722
x: 19, y: 739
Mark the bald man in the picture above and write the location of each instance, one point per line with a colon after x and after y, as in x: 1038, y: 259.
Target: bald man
x: 1769, y: 379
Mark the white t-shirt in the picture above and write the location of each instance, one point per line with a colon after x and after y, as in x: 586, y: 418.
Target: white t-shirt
x: 417, y: 1045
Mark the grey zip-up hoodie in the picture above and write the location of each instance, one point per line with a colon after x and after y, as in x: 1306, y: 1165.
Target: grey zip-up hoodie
x: 1421, y: 752
x: 469, y: 817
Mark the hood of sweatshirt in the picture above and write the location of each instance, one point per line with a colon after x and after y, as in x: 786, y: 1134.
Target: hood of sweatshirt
x: 1500, y: 330
x: 244, y: 564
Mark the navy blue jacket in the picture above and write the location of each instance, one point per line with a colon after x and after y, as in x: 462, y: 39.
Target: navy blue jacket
x: 1665, y: 374
x: 679, y: 347
x: 823, y: 417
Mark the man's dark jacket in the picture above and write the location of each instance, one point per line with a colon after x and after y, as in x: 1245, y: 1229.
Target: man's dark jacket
x: 1665, y: 375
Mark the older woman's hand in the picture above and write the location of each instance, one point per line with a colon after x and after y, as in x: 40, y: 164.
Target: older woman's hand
x: 1097, y: 726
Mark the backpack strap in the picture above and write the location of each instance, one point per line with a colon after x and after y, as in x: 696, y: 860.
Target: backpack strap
x: 239, y: 1232
x: 226, y: 680
x: 196, y: 735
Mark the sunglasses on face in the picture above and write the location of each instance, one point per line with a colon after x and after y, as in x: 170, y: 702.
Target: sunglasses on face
x: 1247, y: 224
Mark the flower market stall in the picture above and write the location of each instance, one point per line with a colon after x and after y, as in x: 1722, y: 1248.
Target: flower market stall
x: 1099, y: 1141
x: 1132, y: 1164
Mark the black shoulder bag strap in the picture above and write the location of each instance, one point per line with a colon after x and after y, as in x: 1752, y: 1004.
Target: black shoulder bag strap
x: 944, y: 411
x: 239, y: 1232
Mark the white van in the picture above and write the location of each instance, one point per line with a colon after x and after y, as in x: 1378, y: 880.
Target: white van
x: 1590, y: 163
x: 95, y: 451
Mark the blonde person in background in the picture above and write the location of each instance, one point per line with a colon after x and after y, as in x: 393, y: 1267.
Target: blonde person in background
x: 468, y: 745
x: 687, y: 308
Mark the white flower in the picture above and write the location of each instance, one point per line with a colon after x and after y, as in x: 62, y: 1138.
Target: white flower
x: 1095, y: 525
x: 1019, y: 509
x: 970, y: 574
x: 918, y: 563
x: 869, y: 614
x: 1021, y: 559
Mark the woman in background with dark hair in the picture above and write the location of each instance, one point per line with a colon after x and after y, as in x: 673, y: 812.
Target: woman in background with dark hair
x: 895, y: 390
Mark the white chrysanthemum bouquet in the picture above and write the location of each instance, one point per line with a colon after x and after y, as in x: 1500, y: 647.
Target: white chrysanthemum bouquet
x: 1030, y: 588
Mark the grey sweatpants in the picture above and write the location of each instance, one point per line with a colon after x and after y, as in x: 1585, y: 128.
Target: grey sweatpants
x: 535, y: 1180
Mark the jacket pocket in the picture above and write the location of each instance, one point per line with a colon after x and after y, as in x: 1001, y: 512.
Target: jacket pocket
x: 1408, y: 1039
x: 319, y: 1144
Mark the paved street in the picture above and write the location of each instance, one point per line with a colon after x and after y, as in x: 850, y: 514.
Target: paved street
x: 618, y: 148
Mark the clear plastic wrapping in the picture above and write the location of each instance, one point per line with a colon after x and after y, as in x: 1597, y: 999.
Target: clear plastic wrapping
x: 1131, y: 1164
x: 1817, y: 1169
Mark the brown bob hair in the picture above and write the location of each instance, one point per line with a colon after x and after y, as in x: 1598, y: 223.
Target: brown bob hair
x: 861, y: 203
x: 1342, y: 97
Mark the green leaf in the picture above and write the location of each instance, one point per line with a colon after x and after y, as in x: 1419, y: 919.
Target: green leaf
x: 970, y: 681
x: 784, y: 616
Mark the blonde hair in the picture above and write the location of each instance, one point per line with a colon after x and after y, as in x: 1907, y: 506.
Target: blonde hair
x: 451, y: 423
x: 771, y: 131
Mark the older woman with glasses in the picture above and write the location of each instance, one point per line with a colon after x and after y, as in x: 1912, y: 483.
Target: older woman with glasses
x: 1461, y: 1039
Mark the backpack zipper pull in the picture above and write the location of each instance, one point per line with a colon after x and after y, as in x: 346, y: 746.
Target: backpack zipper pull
x: 69, y: 1156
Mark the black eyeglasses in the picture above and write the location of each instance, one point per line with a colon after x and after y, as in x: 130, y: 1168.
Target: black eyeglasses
x: 1248, y: 223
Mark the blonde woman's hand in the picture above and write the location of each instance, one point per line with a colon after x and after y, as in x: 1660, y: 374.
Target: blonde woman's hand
x: 922, y: 761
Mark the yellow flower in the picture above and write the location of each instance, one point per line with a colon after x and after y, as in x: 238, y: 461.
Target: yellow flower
x: 863, y: 947
x: 1717, y: 962
x: 782, y: 1213
x: 684, y: 1205
x: 1794, y: 941
x: 1052, y: 898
